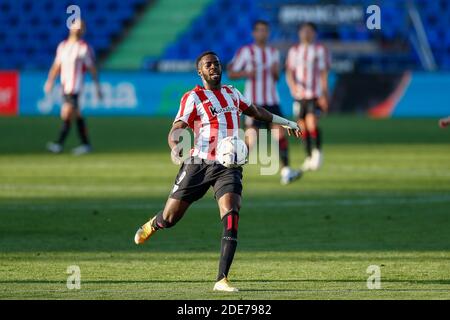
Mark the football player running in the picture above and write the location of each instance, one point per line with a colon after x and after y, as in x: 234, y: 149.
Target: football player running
x: 212, y: 112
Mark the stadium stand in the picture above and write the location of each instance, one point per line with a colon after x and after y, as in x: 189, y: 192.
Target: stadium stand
x: 34, y: 28
x: 158, y: 26
x: 218, y: 28
x: 395, y: 32
x: 181, y: 29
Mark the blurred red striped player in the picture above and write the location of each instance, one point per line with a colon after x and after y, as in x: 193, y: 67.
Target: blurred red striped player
x: 259, y: 64
x: 307, y: 67
x: 444, y: 122
x: 73, y: 57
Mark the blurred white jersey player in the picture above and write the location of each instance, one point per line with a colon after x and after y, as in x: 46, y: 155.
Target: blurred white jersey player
x: 444, y: 122
x: 259, y: 64
x: 73, y: 57
x: 307, y: 67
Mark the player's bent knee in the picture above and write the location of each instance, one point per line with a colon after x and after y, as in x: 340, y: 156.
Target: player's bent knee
x: 311, y: 122
x: 311, y: 127
x: 65, y: 115
x: 224, y: 210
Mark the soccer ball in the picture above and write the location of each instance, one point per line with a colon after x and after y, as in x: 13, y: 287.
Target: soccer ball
x: 231, y: 152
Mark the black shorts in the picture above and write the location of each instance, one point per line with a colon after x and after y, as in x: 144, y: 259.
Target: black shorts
x: 306, y: 106
x: 250, y: 122
x: 197, y: 175
x: 72, y: 99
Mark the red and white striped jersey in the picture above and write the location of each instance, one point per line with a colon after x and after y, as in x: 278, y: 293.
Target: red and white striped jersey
x: 306, y: 62
x: 261, y: 89
x: 74, y: 58
x: 212, y: 115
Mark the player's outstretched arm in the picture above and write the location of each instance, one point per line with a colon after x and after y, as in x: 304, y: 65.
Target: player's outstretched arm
x: 262, y: 114
x: 173, y: 140
x: 324, y: 99
x: 94, y: 73
x: 52, y: 74
x: 290, y: 80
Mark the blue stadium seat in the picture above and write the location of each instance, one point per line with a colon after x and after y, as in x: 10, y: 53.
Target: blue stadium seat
x: 221, y: 15
x: 36, y: 27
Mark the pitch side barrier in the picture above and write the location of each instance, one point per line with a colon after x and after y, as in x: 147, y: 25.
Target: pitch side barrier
x: 158, y: 94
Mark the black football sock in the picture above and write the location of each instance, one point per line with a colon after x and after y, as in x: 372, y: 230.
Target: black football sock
x: 284, y: 154
x: 82, y: 131
x: 228, y: 243
x: 313, y: 135
x: 64, y: 131
x: 319, y: 139
x: 307, y: 140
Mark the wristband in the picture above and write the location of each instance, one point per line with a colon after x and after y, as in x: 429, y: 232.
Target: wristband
x: 284, y: 122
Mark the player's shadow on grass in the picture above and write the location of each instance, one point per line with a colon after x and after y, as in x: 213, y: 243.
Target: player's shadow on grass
x: 104, y: 225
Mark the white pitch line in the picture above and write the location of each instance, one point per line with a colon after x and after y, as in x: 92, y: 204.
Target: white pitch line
x: 78, y: 188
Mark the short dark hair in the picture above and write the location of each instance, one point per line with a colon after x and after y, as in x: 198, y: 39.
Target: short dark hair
x: 310, y: 24
x: 260, y: 21
x: 201, y: 55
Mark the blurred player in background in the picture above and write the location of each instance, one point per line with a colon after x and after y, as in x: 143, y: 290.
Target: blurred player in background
x: 212, y: 112
x: 73, y: 57
x: 259, y: 64
x: 444, y: 122
x: 307, y: 67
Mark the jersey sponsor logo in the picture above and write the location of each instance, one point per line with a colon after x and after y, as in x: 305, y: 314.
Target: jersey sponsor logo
x: 218, y: 110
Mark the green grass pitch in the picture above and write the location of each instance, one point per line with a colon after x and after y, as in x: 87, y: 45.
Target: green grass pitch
x: 382, y: 198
